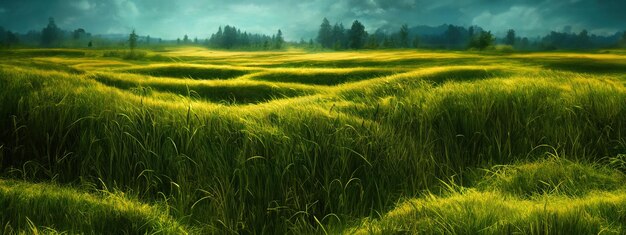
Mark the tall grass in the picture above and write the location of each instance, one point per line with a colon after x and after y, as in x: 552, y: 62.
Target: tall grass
x: 52, y: 209
x: 550, y: 196
x: 300, y: 165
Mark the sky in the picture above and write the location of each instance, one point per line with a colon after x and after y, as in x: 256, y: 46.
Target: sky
x: 297, y: 19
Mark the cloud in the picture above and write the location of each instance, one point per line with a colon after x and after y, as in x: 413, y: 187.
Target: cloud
x: 83, y: 5
x: 126, y: 9
x: 523, y: 19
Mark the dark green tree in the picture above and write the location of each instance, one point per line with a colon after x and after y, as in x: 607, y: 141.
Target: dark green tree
x: 338, y: 37
x: 524, y: 43
x: 78, y: 33
x: 51, y: 34
x: 372, y: 42
x: 357, y: 35
x: 416, y: 42
x: 186, y: 39
x: 324, y: 35
x: 229, y: 37
x: 132, y: 41
x: 453, y: 36
x: 404, y: 36
x: 3, y: 36
x: 11, y: 39
x: 388, y: 42
x: 583, y: 40
x: 510, y: 37
x: 279, y: 40
x: 482, y: 41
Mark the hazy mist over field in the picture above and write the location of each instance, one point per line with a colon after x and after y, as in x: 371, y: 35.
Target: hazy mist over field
x: 299, y: 19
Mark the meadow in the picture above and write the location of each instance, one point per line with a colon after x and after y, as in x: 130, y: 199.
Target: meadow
x: 186, y: 140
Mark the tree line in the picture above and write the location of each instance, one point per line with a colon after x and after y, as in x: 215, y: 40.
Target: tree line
x: 331, y: 36
x: 232, y: 38
x: 337, y: 37
x: 455, y: 37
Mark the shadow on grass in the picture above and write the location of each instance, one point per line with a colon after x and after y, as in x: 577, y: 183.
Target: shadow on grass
x: 323, y: 78
x: 190, y: 72
x: 464, y: 75
x: 48, y: 66
x: 582, y: 65
x: 374, y: 63
x: 230, y: 94
x: 45, y: 53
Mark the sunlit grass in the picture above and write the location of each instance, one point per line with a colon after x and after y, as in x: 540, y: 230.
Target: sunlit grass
x: 299, y: 142
x: 552, y: 196
x: 49, y: 209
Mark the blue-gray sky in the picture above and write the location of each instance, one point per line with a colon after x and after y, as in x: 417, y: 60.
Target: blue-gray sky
x: 300, y: 18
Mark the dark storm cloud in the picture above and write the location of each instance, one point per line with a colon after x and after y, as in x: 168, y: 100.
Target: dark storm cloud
x: 300, y: 18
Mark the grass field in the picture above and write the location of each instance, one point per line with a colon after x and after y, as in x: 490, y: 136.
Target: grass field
x: 189, y: 140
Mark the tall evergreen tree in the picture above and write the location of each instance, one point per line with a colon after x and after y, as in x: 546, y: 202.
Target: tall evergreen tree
x: 510, y: 37
x: 3, y: 35
x: 279, y: 40
x: 338, y: 37
x: 453, y: 36
x: 229, y: 38
x: 132, y: 41
x: 11, y: 39
x: 357, y: 35
x: 51, y: 34
x: 404, y: 36
x: 324, y: 35
x: 583, y: 40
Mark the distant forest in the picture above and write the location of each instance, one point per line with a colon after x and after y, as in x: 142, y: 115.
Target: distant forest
x: 456, y: 37
x: 330, y: 36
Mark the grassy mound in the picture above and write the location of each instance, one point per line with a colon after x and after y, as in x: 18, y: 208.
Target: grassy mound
x: 193, y: 72
x: 475, y: 212
x: 464, y: 75
x: 32, y: 207
x: 587, y: 65
x: 552, y: 196
x: 552, y: 176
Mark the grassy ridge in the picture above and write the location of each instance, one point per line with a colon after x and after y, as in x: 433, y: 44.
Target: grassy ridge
x: 552, y: 196
x: 29, y: 207
x: 301, y: 157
